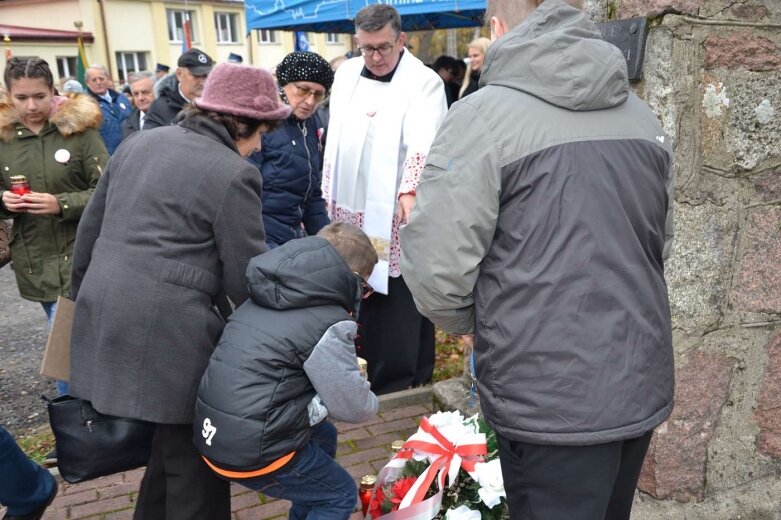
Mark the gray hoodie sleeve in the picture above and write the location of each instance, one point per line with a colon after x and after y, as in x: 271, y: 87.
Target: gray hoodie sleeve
x: 453, y: 220
x: 668, y: 224
x: 333, y: 370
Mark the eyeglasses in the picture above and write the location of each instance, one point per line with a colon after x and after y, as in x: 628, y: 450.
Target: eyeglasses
x: 366, y: 289
x: 384, y: 50
x: 305, y: 92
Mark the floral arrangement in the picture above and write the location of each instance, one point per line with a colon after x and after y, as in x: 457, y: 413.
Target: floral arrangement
x: 447, y: 470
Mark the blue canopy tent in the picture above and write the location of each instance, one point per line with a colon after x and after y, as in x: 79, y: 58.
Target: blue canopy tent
x: 336, y: 16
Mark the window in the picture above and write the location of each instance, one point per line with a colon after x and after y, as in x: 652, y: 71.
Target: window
x: 66, y: 66
x: 331, y: 38
x: 266, y: 36
x: 226, y: 28
x: 176, y: 19
x: 130, y: 62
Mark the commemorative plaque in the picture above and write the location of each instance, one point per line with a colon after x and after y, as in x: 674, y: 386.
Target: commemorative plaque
x: 629, y: 36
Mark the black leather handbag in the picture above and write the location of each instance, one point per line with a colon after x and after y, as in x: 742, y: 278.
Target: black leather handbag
x: 91, y: 444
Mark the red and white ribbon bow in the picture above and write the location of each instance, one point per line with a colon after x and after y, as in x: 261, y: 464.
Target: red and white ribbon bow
x: 447, y: 455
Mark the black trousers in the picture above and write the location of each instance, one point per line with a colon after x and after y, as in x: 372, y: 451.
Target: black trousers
x: 178, y: 484
x: 395, y: 340
x: 571, y: 482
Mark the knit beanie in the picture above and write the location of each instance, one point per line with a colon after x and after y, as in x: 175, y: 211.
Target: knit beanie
x: 305, y: 66
x: 242, y: 91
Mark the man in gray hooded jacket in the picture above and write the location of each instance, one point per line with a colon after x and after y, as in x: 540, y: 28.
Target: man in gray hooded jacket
x: 542, y: 221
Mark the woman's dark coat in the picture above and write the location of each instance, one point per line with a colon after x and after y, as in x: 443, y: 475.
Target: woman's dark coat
x: 474, y: 81
x: 290, y: 163
x: 172, y: 224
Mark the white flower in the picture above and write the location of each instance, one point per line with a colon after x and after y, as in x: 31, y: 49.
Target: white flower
x: 441, y: 419
x: 489, y: 476
x: 471, y: 423
x: 462, y: 513
x: 451, y: 425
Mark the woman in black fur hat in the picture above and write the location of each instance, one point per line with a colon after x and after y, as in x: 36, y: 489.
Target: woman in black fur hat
x: 290, y: 160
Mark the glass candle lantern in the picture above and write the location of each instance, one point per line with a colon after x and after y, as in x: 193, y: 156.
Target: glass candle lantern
x: 365, y: 491
x: 20, y: 185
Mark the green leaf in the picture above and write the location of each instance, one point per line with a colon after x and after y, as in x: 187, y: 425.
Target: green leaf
x: 387, y: 505
x: 414, y: 468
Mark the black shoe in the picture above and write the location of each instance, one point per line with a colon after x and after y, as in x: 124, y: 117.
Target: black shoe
x: 38, y: 513
x: 51, y: 459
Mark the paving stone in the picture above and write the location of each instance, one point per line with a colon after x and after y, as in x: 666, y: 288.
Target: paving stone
x: 383, y: 440
x: 54, y: 514
x: 360, y: 470
x: 415, y: 411
x: 124, y: 488
x: 238, y: 489
x: 360, y: 433
x: 343, y: 448
x: 94, y: 484
x: 345, y: 427
x: 394, y: 426
x: 261, y: 512
x: 377, y: 465
x: 365, y: 456
x: 100, y: 506
x: 245, y: 501
x: 125, y: 514
x: 135, y: 475
x: 69, y: 499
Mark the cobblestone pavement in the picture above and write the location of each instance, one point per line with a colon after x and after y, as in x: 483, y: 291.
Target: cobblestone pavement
x: 363, y: 448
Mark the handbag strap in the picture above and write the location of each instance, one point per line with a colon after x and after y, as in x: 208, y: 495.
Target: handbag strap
x: 88, y: 413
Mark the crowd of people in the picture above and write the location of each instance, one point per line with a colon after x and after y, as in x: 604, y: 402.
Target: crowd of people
x: 252, y: 234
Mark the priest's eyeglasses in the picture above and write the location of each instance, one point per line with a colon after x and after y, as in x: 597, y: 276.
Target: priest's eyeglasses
x: 366, y: 289
x: 384, y: 50
x: 305, y: 92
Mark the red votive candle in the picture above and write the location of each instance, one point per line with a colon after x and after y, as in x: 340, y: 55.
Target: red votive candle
x: 19, y: 185
x: 365, y: 491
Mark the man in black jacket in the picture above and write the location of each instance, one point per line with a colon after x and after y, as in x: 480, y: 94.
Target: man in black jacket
x: 193, y: 68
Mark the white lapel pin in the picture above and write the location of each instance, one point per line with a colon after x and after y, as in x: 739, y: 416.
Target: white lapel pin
x: 62, y: 156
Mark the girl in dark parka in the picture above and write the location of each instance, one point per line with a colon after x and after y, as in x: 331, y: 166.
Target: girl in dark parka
x: 52, y: 141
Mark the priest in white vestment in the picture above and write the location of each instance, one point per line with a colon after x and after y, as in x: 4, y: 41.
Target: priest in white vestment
x: 386, y: 107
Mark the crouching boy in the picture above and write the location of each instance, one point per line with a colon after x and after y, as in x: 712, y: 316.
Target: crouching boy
x: 285, y: 361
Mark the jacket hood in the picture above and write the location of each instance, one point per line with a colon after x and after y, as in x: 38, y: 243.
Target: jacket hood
x: 167, y: 85
x: 558, y: 55
x: 71, y: 115
x: 305, y: 272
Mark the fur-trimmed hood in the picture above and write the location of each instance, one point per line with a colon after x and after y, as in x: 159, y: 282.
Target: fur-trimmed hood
x: 71, y: 115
